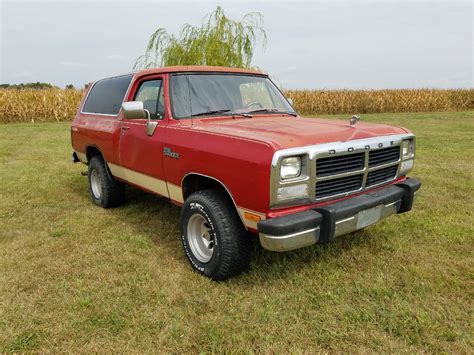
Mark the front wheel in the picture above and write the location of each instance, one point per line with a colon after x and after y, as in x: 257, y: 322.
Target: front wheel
x: 214, y: 239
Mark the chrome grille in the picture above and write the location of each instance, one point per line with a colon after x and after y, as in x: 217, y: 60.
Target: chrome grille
x: 338, y: 186
x: 346, y: 173
x: 378, y: 176
x: 332, y: 170
x: 339, y: 165
x: 384, y: 156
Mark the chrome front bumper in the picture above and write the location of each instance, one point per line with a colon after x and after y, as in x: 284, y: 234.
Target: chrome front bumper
x: 289, y: 241
x: 361, y: 220
x: 321, y: 225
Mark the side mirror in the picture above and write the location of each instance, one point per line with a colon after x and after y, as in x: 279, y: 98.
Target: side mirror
x: 290, y: 101
x: 133, y: 109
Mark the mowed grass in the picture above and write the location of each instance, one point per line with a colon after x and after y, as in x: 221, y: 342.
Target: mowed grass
x: 74, y: 277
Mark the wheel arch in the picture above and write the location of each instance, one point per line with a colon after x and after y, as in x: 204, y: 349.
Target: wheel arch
x: 193, y: 182
x: 93, y: 150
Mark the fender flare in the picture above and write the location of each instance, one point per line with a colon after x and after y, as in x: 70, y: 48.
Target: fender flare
x: 220, y: 183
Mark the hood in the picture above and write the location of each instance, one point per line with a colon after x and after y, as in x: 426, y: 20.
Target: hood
x: 289, y: 132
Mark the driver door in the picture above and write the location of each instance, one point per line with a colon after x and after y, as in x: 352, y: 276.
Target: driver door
x: 141, y: 155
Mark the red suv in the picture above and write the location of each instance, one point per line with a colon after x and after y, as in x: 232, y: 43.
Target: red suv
x: 228, y: 147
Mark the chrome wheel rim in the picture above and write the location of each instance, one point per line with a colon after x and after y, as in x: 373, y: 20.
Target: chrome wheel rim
x: 200, y: 239
x: 95, y: 184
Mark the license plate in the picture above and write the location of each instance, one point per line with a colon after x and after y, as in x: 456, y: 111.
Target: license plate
x: 368, y: 217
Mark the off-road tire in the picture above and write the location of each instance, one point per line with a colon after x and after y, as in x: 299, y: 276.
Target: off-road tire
x: 112, y: 192
x: 232, y: 249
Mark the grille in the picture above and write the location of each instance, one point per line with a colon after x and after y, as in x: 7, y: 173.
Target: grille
x: 339, y: 165
x: 338, y: 186
x: 384, y: 156
x: 378, y: 176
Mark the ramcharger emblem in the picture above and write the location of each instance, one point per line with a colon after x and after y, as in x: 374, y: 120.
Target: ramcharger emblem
x: 169, y: 153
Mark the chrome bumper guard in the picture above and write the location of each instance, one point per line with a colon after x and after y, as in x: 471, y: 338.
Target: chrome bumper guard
x: 322, y: 225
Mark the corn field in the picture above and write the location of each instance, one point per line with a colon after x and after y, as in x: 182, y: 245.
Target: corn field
x: 309, y: 102
x: 38, y: 105
x: 49, y: 105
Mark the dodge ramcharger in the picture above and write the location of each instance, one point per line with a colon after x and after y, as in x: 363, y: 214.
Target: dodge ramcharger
x: 228, y: 147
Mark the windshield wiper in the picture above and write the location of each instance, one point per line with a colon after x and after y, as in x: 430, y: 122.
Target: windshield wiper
x: 239, y: 114
x: 210, y: 112
x: 226, y: 111
x: 261, y: 110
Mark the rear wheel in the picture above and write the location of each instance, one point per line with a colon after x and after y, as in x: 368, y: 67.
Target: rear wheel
x: 214, y: 239
x: 104, y: 190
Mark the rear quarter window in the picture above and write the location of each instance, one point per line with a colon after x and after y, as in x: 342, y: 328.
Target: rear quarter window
x: 106, y: 96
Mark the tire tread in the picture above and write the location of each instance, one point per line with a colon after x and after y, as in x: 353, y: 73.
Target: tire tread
x: 113, y: 191
x: 234, y: 240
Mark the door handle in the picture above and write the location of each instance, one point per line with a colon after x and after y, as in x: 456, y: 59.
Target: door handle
x: 124, y: 128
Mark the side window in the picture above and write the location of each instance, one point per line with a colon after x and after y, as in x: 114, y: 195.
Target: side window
x: 106, y: 96
x: 151, y: 94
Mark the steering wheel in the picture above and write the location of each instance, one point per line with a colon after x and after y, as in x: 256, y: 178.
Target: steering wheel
x: 255, y: 103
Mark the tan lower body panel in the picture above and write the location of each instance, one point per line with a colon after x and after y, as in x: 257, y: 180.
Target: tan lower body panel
x: 176, y: 193
x: 139, y: 179
x: 172, y: 191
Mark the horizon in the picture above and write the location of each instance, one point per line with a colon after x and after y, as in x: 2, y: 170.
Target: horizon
x: 15, y: 86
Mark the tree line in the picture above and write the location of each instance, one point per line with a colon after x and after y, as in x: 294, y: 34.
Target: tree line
x: 37, y: 85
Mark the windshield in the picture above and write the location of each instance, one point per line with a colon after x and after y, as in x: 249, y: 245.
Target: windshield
x: 197, y: 94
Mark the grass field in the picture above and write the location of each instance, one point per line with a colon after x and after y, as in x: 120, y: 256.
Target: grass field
x: 76, y: 278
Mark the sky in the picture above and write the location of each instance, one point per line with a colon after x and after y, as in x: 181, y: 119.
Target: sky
x: 311, y: 45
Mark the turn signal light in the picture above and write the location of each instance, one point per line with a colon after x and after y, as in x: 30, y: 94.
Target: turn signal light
x: 252, y: 217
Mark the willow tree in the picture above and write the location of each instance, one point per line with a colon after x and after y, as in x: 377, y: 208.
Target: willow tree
x: 219, y: 41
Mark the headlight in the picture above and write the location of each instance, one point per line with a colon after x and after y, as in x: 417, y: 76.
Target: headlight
x: 405, y: 167
x: 408, y: 149
x: 292, y: 192
x: 290, y: 168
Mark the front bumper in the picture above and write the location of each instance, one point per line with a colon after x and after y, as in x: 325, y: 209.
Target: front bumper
x: 323, y: 224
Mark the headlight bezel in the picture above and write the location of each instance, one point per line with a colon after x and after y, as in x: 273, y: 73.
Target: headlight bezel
x: 407, y: 156
x: 408, y: 148
x: 290, y: 182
